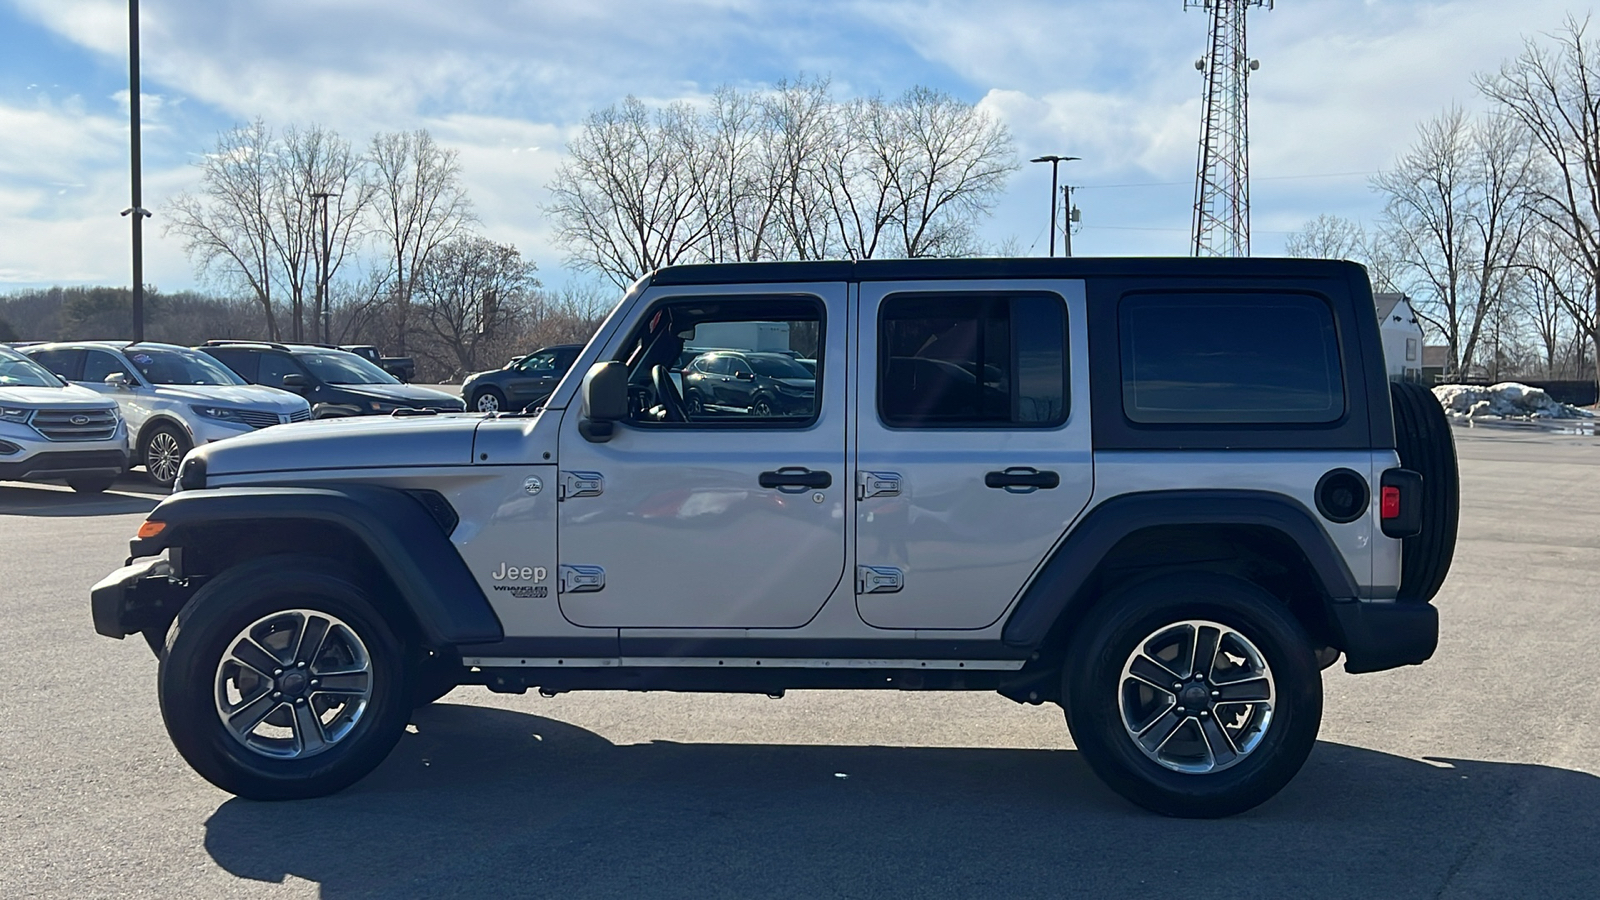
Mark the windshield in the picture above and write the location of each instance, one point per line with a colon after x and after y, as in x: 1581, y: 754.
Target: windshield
x: 345, y: 368
x: 17, y: 370
x: 778, y: 367
x: 163, y: 365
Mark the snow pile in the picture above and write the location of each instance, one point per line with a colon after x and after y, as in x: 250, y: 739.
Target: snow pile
x: 1508, y: 400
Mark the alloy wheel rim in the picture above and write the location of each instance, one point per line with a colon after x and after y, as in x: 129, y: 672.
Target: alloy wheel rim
x: 162, y: 456
x: 1196, y: 697
x: 488, y: 403
x: 293, y: 684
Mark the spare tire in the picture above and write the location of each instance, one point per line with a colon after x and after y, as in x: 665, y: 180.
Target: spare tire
x: 1426, y: 446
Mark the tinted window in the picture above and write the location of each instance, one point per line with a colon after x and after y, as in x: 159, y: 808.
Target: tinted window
x: 65, y: 363
x: 1230, y: 359
x: 337, y: 367
x: 540, y: 363
x: 97, y: 364
x: 972, y: 360
x: 274, y: 366
x: 242, y: 362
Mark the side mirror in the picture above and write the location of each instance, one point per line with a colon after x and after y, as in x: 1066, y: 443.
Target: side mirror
x: 605, y: 400
x: 117, y: 379
x: 294, y: 382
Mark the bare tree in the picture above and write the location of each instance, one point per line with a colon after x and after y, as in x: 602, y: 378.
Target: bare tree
x: 469, y: 294
x: 801, y: 126
x: 1554, y: 93
x: 308, y: 163
x: 956, y: 161
x: 1456, y: 217
x: 419, y: 204
x: 227, y: 228
x: 1328, y: 237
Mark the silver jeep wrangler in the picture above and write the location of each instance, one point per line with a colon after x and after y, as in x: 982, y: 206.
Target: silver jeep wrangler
x: 1163, y: 493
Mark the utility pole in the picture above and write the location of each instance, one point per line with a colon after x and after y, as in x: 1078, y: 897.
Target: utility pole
x: 1222, y: 174
x: 1055, y: 163
x: 322, y: 265
x: 1072, y: 215
x: 137, y: 209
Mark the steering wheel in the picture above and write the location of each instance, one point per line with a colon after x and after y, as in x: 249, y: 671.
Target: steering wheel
x: 667, y: 395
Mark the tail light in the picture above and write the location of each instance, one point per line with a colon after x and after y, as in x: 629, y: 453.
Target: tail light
x: 1400, y: 503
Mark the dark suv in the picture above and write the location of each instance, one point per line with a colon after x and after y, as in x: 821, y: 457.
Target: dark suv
x: 525, y: 381
x: 748, y: 382
x: 337, y: 383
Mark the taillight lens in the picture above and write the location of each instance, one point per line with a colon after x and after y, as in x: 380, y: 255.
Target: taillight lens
x: 1389, y: 504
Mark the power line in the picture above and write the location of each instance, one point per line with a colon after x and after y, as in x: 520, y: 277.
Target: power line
x: 1142, y: 184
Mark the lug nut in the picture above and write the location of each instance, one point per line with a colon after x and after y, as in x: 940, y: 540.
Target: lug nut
x: 299, y: 665
x: 277, y: 671
x: 1181, y: 709
x: 1203, y: 714
x: 315, y: 682
x: 1214, y: 694
x: 277, y: 695
x: 1178, y: 686
x: 301, y: 701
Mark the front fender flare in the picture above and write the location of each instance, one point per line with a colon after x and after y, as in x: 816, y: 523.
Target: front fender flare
x: 400, y: 533
x: 1074, y: 562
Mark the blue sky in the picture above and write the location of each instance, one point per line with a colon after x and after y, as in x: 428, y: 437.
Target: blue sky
x: 1342, y: 87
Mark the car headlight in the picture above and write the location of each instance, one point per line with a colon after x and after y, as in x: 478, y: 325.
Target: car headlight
x: 11, y: 414
x: 220, y: 413
x: 381, y: 406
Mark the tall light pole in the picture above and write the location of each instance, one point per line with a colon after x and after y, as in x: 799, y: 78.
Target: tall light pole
x: 322, y: 264
x: 137, y: 209
x: 1055, y: 163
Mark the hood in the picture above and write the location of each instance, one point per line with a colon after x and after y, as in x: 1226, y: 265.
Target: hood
x: 355, y: 443
x: 247, y: 396
x: 408, y: 393
x: 70, y: 397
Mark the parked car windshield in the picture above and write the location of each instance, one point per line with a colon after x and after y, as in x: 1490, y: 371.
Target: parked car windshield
x: 17, y: 370
x: 776, y: 366
x: 345, y: 368
x: 161, y: 365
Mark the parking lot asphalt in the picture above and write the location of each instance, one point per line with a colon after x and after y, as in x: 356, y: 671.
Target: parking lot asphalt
x: 1474, y: 775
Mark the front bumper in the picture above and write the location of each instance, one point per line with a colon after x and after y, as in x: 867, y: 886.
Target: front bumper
x: 64, y: 463
x: 137, y: 597
x: 1386, y: 634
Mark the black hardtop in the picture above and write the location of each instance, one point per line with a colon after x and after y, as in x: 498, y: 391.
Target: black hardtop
x: 1004, y: 268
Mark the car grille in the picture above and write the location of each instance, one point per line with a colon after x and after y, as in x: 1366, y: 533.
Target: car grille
x: 256, y: 419
x: 300, y: 415
x: 75, y: 424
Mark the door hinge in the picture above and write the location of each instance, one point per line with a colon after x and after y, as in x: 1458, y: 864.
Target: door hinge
x: 581, y: 484
x: 581, y: 579
x: 879, y: 579
x: 877, y: 484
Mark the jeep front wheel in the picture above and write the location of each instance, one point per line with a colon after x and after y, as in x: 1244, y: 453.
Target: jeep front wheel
x: 1196, y: 695
x: 281, y: 680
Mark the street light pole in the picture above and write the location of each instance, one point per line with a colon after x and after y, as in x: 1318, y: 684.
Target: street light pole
x: 322, y: 265
x: 1055, y: 163
x: 137, y: 209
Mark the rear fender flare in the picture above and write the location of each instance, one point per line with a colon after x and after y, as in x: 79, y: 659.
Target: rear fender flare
x: 401, y: 534
x: 1056, y: 589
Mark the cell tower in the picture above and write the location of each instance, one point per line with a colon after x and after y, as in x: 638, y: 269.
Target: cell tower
x: 1222, y: 176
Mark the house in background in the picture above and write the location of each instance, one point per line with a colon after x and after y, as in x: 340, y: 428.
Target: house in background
x: 1402, y: 338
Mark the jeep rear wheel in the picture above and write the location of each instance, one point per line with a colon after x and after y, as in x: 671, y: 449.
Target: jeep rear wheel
x: 1193, y: 695
x: 281, y: 680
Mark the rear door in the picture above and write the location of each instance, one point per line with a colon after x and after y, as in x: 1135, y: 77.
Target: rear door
x: 974, y: 451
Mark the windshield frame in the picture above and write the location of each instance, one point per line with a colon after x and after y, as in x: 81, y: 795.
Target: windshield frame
x: 29, y: 365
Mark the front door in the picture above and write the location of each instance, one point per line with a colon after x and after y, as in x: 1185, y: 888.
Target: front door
x: 974, y: 445
x: 717, y: 517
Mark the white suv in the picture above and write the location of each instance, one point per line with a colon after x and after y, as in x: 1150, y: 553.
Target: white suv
x: 173, y: 398
x: 51, y: 430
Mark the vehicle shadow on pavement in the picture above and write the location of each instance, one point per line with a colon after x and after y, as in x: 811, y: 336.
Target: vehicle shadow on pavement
x: 28, y: 500
x: 483, y: 802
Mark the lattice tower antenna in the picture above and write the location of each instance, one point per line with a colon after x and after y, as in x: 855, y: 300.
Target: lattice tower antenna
x: 1222, y: 176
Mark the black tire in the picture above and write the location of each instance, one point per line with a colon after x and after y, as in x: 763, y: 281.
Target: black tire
x: 155, y: 453
x: 693, y: 404
x: 483, y: 396
x: 761, y: 407
x: 1093, y: 682
x: 1427, y: 446
x: 207, y: 627
x: 92, y: 484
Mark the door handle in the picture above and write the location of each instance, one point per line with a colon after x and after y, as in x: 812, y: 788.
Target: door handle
x: 1022, y: 480
x: 794, y: 479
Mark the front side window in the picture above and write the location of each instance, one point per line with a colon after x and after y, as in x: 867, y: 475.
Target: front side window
x: 164, y: 365
x: 1230, y: 359
x: 98, y: 365
x: 539, y: 363
x: 972, y: 360
x: 742, y: 372
x: 274, y: 366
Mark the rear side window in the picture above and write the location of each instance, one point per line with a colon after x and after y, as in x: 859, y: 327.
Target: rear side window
x: 972, y: 360
x: 1230, y: 359
x: 66, y: 363
x: 242, y: 362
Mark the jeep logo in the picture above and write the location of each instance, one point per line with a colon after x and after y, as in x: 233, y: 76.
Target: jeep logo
x: 509, y: 572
